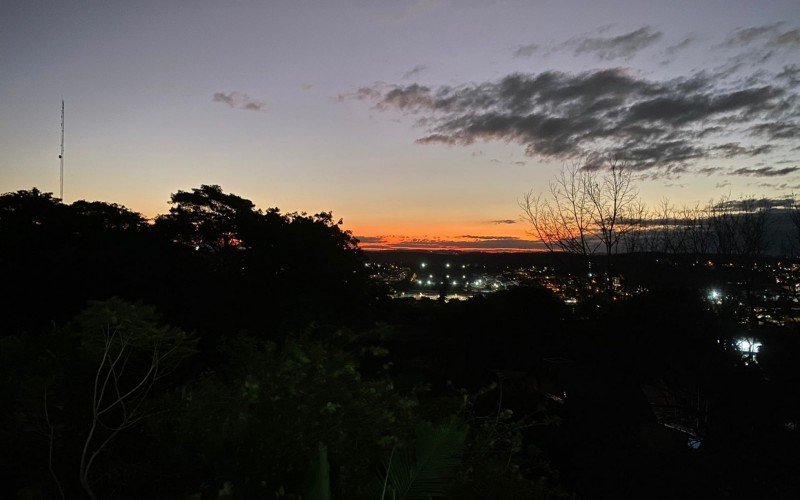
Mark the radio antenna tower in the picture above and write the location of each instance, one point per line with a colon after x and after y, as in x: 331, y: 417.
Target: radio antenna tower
x: 61, y: 156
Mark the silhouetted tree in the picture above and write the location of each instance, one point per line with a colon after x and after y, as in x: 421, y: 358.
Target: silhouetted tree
x: 563, y: 220
x: 133, y: 353
x: 209, y: 218
x: 591, y: 204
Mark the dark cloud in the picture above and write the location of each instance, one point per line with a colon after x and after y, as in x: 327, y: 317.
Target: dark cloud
x: 731, y: 149
x: 503, y: 221
x: 419, y: 68
x: 464, y: 243
x: 783, y: 186
x: 708, y: 170
x: 667, y: 124
x: 789, y: 39
x: 758, y: 44
x: 608, y: 48
x: 623, y: 46
x: 437, y: 139
x: 488, y: 238
x: 239, y: 100
x: 363, y: 93
x: 371, y: 239
x: 765, y: 171
x: 776, y: 130
x: 526, y: 50
x: 746, y: 36
x: 790, y: 73
x: 686, y: 42
x: 756, y: 203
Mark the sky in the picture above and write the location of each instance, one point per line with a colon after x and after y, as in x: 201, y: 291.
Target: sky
x: 420, y: 122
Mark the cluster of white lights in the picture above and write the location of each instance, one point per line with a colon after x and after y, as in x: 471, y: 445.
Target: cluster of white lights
x: 748, y: 346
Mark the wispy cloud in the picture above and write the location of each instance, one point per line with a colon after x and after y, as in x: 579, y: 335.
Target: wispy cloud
x: 622, y: 46
x: 765, y: 171
x: 461, y: 243
x: 683, y: 44
x: 783, y: 186
x: 370, y: 239
x: 789, y: 39
x: 526, y: 50
x: 731, y: 149
x: 239, y: 100
x: 488, y: 238
x: 416, y: 70
x: 745, y: 36
x: 757, y: 45
x: 750, y: 203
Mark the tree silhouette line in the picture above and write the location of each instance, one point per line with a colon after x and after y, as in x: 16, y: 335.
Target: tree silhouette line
x: 225, y: 351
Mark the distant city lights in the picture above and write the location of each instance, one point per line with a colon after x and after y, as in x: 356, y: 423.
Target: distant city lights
x: 715, y: 296
x: 775, y: 302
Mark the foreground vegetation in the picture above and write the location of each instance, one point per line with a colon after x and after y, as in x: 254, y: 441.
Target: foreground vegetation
x: 223, y: 351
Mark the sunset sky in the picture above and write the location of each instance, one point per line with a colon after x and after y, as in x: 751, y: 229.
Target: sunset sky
x: 419, y: 122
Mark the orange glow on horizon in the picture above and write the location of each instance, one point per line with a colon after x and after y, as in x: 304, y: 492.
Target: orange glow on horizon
x: 481, y: 237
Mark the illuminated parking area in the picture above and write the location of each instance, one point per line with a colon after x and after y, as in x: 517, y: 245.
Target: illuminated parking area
x: 749, y: 349
x: 432, y: 296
